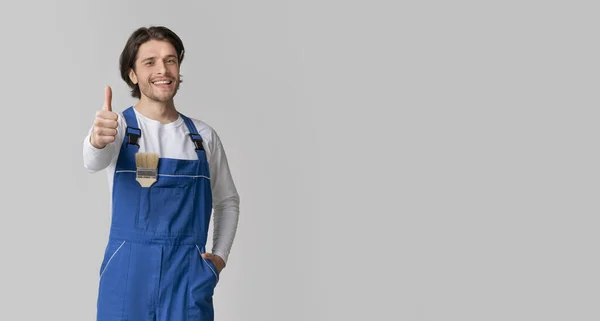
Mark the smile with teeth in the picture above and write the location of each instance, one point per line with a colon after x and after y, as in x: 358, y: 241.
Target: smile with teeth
x: 162, y: 82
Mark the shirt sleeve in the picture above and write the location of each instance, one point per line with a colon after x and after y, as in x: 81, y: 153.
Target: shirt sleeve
x: 226, y: 201
x: 97, y: 159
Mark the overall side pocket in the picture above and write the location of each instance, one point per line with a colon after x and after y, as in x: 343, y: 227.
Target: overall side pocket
x: 112, y: 248
x: 113, y: 281
x: 210, y: 265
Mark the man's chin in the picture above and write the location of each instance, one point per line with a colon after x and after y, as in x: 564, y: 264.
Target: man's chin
x: 162, y: 98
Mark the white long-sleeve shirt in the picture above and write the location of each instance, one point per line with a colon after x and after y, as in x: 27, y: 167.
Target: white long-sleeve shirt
x: 172, y: 141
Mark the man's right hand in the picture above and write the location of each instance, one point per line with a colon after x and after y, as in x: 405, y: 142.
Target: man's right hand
x: 104, y: 131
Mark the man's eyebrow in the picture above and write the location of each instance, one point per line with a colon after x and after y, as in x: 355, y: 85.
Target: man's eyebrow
x: 153, y: 57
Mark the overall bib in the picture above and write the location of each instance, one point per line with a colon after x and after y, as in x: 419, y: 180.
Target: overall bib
x: 152, y: 269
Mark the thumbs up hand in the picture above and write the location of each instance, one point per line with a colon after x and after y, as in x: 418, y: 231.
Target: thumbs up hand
x: 105, y: 124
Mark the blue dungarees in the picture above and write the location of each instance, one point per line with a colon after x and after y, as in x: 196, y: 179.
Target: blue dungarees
x: 152, y: 268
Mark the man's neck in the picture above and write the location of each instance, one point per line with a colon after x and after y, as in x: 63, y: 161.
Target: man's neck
x: 164, y: 112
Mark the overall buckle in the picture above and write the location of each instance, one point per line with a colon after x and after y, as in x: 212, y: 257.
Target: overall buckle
x: 197, y: 139
x: 132, y: 136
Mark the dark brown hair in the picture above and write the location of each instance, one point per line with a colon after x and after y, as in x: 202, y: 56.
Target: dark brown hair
x: 137, y: 38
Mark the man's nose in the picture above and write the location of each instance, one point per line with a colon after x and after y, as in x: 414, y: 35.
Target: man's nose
x: 161, y: 68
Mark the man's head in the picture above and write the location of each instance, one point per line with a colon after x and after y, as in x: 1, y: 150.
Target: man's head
x: 151, y: 57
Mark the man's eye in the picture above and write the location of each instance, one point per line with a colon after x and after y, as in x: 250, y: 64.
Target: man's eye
x: 148, y: 63
x: 171, y: 61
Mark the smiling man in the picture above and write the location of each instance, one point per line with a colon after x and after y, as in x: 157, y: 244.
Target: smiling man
x: 155, y: 266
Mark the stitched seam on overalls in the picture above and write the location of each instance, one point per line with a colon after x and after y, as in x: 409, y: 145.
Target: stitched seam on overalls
x: 213, y: 271
x: 125, y: 317
x: 110, y: 259
x: 167, y: 175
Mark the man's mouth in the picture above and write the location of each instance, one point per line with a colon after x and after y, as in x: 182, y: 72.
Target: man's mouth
x: 162, y: 82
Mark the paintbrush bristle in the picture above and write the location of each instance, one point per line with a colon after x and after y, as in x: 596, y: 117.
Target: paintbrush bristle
x: 146, y: 160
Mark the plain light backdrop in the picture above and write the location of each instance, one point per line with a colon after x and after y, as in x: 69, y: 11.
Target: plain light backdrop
x: 396, y: 160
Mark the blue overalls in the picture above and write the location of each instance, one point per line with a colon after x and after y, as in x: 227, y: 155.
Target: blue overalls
x: 152, y: 269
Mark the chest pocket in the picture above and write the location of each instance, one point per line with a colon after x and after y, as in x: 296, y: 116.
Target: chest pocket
x: 168, y: 207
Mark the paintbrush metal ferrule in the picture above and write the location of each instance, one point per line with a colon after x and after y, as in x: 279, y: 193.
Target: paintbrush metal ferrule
x: 146, y: 176
x: 146, y: 172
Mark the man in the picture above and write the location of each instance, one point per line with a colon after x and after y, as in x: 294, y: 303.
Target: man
x: 155, y: 266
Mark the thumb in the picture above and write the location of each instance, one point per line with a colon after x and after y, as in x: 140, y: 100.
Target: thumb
x: 107, y: 99
x: 206, y: 255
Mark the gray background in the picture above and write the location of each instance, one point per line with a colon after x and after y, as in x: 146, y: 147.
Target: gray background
x: 419, y: 160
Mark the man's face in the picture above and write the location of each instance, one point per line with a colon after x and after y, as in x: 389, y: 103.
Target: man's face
x: 156, y: 70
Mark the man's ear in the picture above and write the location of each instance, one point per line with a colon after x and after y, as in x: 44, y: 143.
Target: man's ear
x: 133, y: 77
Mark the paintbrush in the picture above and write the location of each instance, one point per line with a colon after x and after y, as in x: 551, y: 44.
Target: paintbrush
x: 147, y: 168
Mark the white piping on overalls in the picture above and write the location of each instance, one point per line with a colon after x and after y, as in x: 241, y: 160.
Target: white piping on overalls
x: 213, y: 271
x: 168, y: 175
x: 111, y: 257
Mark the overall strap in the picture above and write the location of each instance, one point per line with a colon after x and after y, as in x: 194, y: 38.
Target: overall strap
x: 132, y: 133
x: 194, y: 136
